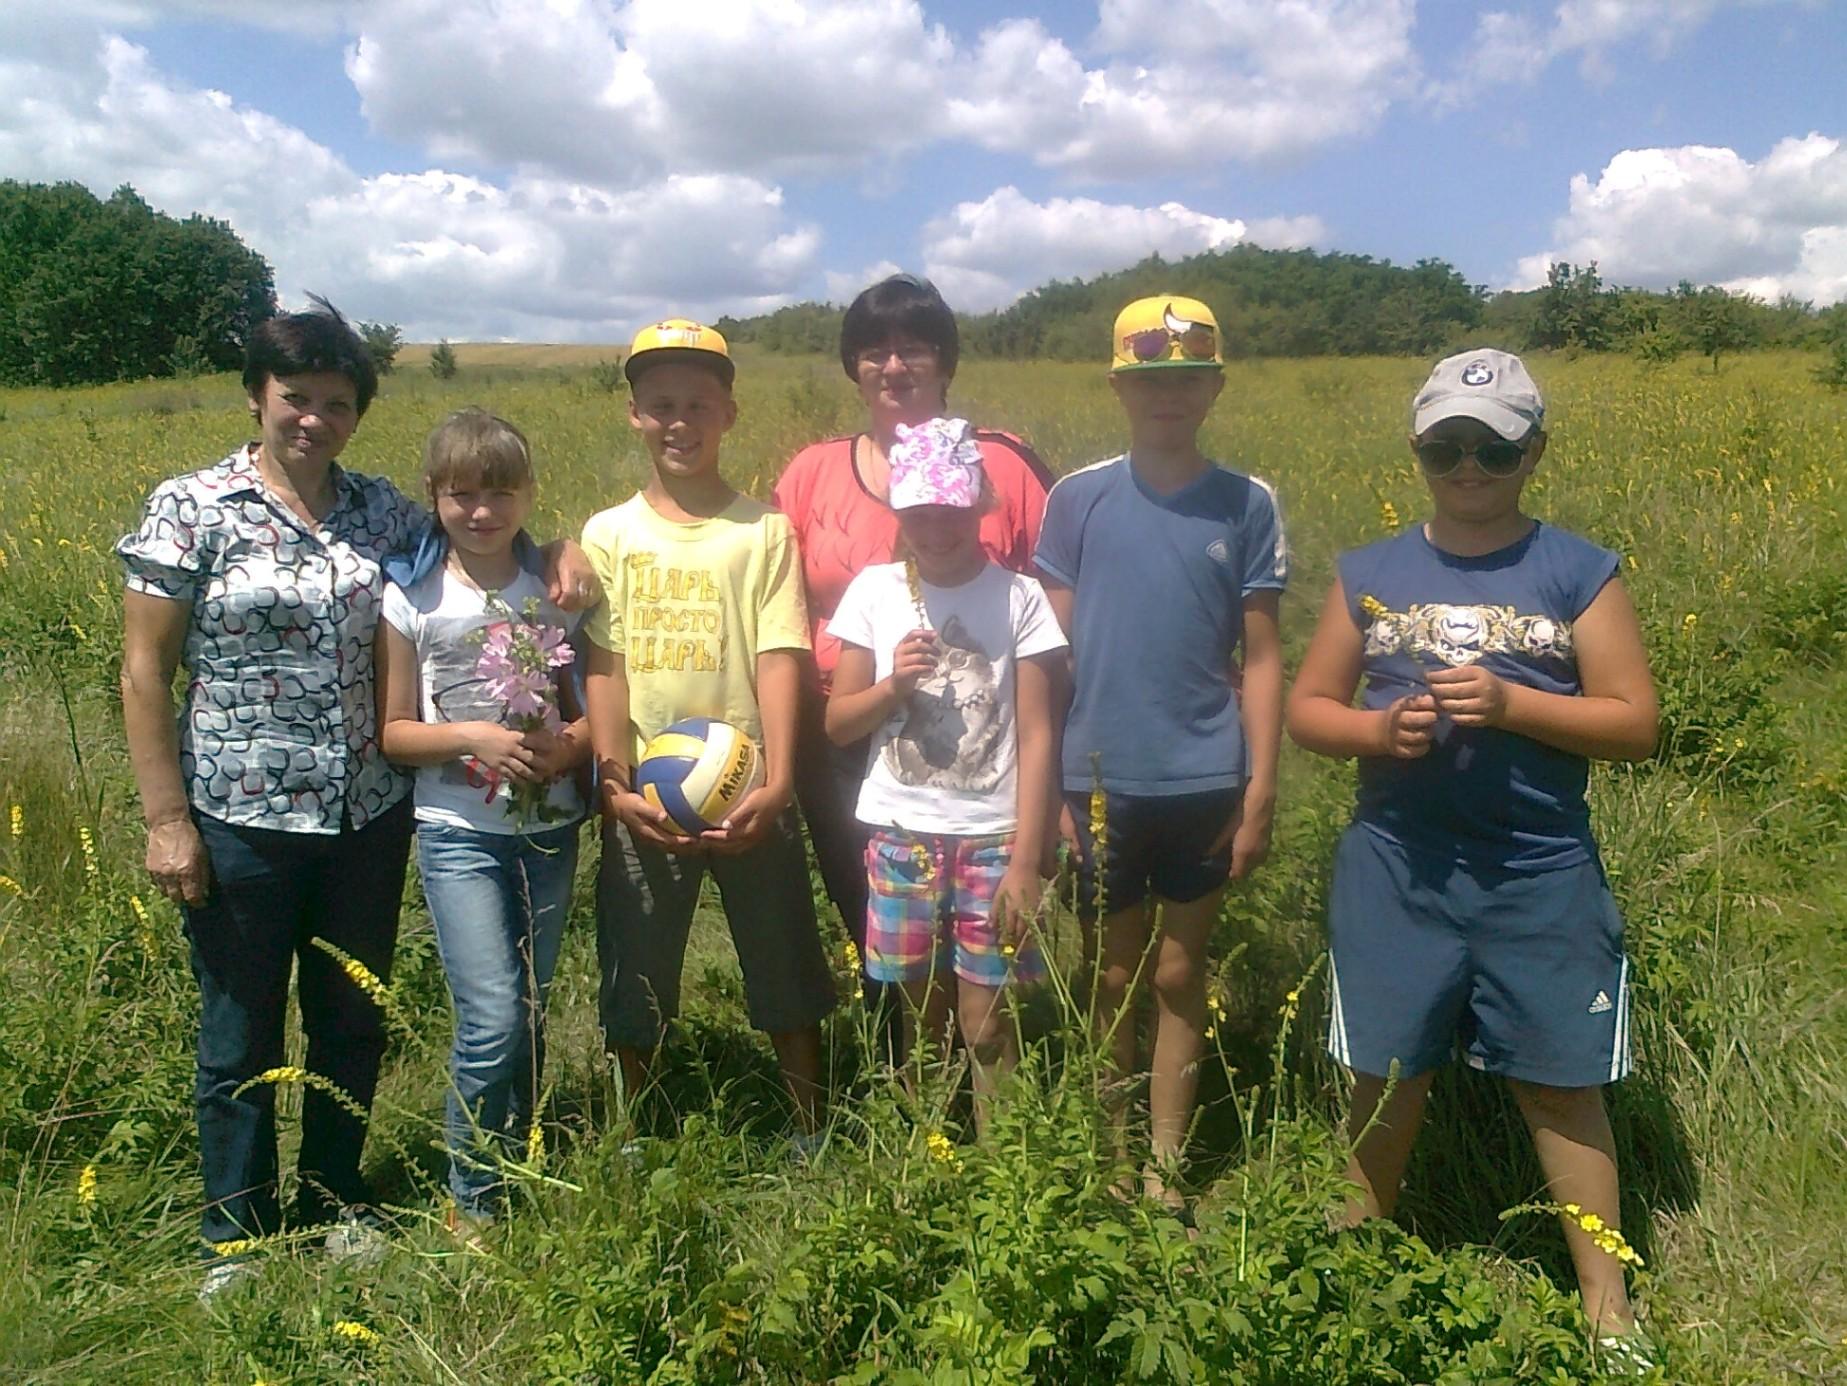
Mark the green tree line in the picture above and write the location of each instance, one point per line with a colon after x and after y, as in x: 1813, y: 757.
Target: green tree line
x: 94, y: 290
x: 1308, y: 303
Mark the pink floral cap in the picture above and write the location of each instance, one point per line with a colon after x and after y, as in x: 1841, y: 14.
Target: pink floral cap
x: 936, y: 463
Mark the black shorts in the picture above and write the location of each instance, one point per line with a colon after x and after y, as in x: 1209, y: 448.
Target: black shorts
x: 1157, y: 845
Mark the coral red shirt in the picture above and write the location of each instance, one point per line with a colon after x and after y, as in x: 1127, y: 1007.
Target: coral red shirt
x: 843, y: 528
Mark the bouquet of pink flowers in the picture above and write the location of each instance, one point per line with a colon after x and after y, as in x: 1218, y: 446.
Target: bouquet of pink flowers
x: 518, y: 658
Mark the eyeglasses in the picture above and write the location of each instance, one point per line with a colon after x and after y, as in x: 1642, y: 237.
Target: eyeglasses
x: 916, y: 356
x: 1496, y: 457
x: 1197, y: 343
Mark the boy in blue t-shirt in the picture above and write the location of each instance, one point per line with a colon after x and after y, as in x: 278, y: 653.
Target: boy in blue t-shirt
x: 1161, y: 566
x: 1500, y: 655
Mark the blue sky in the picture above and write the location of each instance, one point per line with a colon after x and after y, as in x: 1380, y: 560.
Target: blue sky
x: 567, y: 169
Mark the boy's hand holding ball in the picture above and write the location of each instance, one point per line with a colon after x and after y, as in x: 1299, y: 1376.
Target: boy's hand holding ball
x: 1408, y: 724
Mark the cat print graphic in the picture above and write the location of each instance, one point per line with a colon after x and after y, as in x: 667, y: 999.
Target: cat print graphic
x: 950, y: 729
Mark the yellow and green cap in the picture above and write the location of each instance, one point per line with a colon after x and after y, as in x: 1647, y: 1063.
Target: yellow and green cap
x: 680, y: 338
x: 1164, y: 331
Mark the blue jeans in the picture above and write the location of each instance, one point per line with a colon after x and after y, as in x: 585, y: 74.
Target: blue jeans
x: 271, y: 895
x: 499, y: 902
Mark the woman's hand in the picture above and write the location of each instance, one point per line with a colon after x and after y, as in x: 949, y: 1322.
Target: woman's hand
x: 913, y: 661
x: 176, y: 860
x: 506, y: 752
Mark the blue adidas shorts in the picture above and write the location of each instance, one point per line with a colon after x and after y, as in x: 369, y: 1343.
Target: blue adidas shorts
x: 1525, y: 970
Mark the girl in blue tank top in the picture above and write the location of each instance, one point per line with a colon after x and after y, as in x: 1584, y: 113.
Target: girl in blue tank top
x: 1499, y: 656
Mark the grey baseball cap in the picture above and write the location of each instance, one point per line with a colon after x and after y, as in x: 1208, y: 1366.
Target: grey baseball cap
x: 1487, y: 385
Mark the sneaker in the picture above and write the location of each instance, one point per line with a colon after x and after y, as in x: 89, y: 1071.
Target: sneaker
x: 1626, y: 1354
x: 225, y: 1275
x: 357, y: 1236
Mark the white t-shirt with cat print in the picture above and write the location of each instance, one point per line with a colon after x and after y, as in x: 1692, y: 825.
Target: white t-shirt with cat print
x: 946, y: 761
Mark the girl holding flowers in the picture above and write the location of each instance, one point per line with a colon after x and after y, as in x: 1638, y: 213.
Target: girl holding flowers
x: 471, y: 661
x: 946, y: 662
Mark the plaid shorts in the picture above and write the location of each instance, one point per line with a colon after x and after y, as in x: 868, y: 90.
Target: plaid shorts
x: 931, y: 907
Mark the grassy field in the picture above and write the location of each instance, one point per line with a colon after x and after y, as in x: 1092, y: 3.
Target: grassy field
x: 710, y: 1255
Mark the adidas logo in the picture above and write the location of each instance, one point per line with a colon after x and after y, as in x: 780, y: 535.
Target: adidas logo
x: 1601, y: 1004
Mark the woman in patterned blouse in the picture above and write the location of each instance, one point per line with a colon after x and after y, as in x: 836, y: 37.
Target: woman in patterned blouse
x: 272, y: 818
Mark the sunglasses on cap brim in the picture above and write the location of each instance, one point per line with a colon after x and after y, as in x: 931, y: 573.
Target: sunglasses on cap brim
x: 1197, y: 343
x: 1496, y: 457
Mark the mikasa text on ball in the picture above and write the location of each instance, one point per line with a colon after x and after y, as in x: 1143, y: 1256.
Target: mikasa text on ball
x: 698, y: 770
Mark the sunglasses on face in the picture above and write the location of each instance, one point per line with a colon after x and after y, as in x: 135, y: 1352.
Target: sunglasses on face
x: 1196, y: 343
x: 1496, y: 457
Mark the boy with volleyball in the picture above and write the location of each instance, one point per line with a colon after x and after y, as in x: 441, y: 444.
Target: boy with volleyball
x: 702, y: 617
x: 947, y: 663
x: 470, y: 657
x: 1162, y: 567
x: 1500, y: 655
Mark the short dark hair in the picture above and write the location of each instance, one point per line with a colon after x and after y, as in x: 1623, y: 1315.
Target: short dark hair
x: 473, y: 447
x: 305, y: 343
x: 902, y: 303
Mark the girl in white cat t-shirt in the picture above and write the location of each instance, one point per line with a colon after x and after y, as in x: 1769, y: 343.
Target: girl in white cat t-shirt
x: 947, y: 660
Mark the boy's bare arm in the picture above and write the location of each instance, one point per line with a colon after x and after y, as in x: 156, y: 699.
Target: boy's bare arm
x: 606, y: 709
x: 1260, y: 706
x: 1320, y: 712
x: 1615, y: 717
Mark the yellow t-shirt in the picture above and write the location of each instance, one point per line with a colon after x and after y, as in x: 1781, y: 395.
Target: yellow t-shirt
x: 691, y: 606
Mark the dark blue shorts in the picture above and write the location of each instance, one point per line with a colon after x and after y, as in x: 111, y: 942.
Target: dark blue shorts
x: 1525, y: 970
x: 1156, y: 845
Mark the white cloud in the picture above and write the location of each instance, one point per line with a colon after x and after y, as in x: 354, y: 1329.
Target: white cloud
x: 1241, y: 80
x: 1517, y: 47
x: 591, y: 89
x: 986, y: 254
x: 534, y: 256
x: 1655, y: 216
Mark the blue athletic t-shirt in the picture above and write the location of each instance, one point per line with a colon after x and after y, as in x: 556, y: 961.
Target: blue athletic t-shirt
x: 1482, y: 795
x: 1159, y: 583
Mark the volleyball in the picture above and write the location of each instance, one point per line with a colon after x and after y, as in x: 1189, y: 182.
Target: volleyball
x: 698, y: 770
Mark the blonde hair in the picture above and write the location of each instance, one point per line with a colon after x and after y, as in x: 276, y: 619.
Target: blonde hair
x: 473, y: 447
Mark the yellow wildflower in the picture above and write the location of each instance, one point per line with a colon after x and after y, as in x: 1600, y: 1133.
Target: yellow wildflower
x: 8, y: 883
x: 535, y: 1142
x: 1388, y: 515
x: 81, y: 634
x: 88, y: 843
x: 364, y: 978
x: 285, y: 1074
x: 942, y: 1150
x: 86, y: 1187
x: 920, y: 854
x: 1633, y: 565
x: 1687, y: 622
x: 19, y: 822
x: 357, y: 1332
x: 146, y: 931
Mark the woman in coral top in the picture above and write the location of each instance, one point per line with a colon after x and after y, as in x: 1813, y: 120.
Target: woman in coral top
x: 899, y: 345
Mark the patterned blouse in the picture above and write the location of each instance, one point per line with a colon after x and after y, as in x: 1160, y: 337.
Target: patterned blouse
x: 280, y: 726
